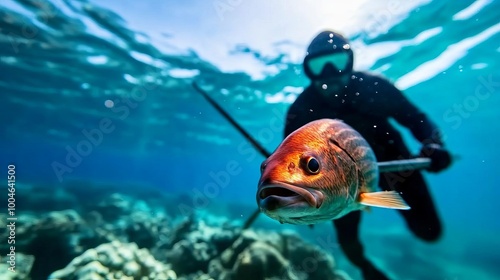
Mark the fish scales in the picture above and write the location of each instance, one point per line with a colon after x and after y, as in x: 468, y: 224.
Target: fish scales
x: 321, y: 171
x: 354, y: 144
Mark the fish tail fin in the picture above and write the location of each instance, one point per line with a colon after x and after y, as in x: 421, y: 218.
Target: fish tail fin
x: 385, y: 199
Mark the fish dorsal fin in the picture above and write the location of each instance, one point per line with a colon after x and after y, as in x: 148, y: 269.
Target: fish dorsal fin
x: 386, y: 199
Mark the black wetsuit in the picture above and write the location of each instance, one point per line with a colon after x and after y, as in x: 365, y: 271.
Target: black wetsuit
x: 367, y: 104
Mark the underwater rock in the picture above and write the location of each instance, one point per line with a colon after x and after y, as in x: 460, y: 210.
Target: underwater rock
x: 187, y: 257
x: 115, y: 260
x: 126, y: 219
x: 261, y: 261
x: 198, y: 247
x: 20, y: 271
x: 58, y: 222
x: 246, y: 238
x: 147, y: 230
x: 225, y: 252
x: 268, y: 255
x: 190, y: 245
x: 223, y: 238
x: 114, y: 206
x: 308, y: 259
x: 182, y: 229
x: 53, y: 234
x: 55, y: 223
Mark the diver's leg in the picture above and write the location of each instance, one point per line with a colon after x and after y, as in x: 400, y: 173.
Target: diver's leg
x: 347, y: 229
x: 422, y: 218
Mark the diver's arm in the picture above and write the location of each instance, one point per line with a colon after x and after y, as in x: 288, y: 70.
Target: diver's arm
x: 408, y: 115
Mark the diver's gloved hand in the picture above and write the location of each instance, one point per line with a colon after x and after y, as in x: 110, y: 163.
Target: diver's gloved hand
x: 440, y: 157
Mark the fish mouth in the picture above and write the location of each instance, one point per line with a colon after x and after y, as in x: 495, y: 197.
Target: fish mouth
x: 276, y: 195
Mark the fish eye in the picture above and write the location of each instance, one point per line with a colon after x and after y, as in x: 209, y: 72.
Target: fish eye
x: 311, y: 165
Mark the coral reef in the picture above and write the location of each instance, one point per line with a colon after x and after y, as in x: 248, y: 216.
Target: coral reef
x: 52, y: 234
x: 20, y: 270
x: 120, y: 236
x: 226, y: 252
x: 115, y: 260
x: 264, y: 255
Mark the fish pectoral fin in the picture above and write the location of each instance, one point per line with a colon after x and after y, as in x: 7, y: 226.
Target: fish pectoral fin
x: 386, y: 199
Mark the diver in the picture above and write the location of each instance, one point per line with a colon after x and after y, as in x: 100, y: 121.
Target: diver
x: 366, y: 102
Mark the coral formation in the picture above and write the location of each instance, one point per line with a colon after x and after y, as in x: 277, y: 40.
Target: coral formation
x: 122, y: 237
x: 19, y: 270
x: 264, y: 255
x: 115, y: 260
x: 52, y: 234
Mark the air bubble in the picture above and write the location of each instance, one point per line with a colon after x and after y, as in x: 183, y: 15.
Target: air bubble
x: 109, y: 103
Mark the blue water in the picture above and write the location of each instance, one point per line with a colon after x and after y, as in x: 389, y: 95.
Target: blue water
x: 71, y: 68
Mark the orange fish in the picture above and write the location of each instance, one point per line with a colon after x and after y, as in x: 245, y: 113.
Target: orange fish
x: 320, y: 172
